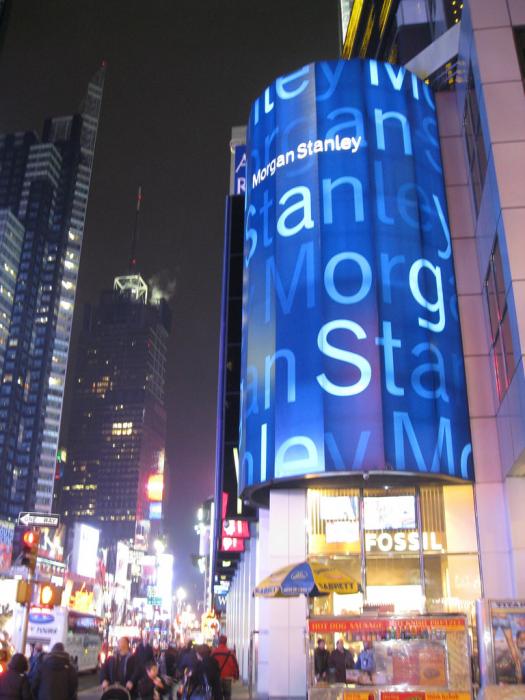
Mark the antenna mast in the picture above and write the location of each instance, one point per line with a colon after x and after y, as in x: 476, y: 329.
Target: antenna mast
x: 134, y: 239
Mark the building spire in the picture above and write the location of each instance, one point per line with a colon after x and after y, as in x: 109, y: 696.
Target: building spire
x: 135, y: 237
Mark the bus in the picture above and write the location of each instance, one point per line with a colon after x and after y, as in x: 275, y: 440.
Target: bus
x: 80, y: 633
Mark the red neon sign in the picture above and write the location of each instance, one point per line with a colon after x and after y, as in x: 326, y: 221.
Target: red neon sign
x: 232, y: 544
x: 236, y: 528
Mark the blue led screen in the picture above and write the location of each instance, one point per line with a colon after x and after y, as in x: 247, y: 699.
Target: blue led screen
x: 352, y: 358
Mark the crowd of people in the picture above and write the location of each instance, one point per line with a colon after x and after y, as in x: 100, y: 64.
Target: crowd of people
x: 332, y: 666
x: 183, y: 672
x: 190, y: 671
x: 50, y: 676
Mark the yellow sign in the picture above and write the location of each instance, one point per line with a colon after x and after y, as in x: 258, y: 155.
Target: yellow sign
x: 448, y: 695
x: 82, y: 601
x: 359, y: 695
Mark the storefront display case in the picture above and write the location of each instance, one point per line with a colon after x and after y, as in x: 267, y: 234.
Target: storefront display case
x: 501, y: 635
x: 422, y: 657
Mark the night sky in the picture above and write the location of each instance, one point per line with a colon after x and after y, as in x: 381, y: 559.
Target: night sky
x: 180, y: 75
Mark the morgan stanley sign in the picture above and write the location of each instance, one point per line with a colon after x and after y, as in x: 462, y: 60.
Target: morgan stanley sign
x: 352, y: 357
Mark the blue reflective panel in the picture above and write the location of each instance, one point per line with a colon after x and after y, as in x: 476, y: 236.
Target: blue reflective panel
x: 352, y: 357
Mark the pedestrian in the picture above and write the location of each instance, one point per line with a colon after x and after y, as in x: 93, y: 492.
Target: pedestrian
x: 14, y: 684
x: 204, y: 681
x: 143, y: 654
x: 120, y: 668
x: 56, y: 677
x: 366, y: 659
x: 188, y: 658
x: 321, y: 656
x: 340, y: 660
x: 144, y: 651
x: 152, y: 687
x: 228, y: 666
x: 36, y: 659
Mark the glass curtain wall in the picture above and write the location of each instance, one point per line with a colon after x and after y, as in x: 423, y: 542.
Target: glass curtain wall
x: 413, y: 549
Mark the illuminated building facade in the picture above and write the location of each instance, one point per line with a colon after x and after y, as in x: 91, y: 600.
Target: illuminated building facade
x: 116, y: 447
x: 467, y: 532
x: 11, y: 240
x: 44, y: 183
x: 424, y: 35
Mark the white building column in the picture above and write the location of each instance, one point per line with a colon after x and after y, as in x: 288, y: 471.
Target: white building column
x: 286, y: 618
x: 261, y: 639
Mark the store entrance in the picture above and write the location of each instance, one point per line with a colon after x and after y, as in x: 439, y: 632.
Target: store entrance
x: 414, y: 550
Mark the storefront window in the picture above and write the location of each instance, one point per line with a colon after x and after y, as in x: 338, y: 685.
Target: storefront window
x: 333, y: 522
x: 411, y: 549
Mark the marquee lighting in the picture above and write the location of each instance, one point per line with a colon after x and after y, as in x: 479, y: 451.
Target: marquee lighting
x: 155, y: 487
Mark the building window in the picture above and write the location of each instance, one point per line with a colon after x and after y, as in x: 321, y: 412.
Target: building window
x: 409, y: 548
x: 519, y: 38
x: 502, y: 352
x: 476, y: 153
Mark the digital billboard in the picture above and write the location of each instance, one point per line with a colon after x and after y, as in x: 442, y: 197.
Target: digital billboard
x: 351, y: 358
x: 84, y: 555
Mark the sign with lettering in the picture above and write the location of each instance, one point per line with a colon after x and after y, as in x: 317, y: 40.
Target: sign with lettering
x: 232, y: 544
x: 240, y: 169
x: 402, y: 542
x: 352, y: 358
x: 7, y: 532
x: 236, y: 528
x: 381, y: 625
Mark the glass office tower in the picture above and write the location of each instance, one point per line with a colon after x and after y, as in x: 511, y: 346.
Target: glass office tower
x: 44, y: 183
x: 117, y: 435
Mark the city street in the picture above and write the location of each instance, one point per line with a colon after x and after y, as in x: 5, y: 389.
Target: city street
x: 88, y: 687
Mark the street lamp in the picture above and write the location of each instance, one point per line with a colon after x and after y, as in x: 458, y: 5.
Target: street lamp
x: 159, y: 547
x: 180, y: 594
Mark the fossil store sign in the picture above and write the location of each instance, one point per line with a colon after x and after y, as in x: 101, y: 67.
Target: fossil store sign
x: 402, y: 542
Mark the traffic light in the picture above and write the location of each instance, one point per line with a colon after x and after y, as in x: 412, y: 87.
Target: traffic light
x: 30, y: 539
x: 49, y: 595
x: 24, y: 592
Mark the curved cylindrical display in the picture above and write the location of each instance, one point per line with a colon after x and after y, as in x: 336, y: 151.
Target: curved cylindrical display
x: 352, y: 358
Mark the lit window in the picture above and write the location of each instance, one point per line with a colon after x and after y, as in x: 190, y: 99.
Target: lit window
x: 476, y: 151
x: 501, y: 350
x: 122, y: 428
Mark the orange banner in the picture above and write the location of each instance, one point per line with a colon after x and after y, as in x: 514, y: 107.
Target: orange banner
x: 424, y: 695
x: 382, y: 625
x: 404, y: 695
x: 359, y: 695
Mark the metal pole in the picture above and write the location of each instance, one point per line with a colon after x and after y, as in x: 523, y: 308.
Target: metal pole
x: 419, y: 517
x: 251, y: 660
x: 27, y: 607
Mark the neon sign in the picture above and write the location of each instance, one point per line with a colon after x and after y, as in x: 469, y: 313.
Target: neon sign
x: 352, y: 358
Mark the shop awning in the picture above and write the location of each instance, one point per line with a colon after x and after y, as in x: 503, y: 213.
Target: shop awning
x: 308, y: 578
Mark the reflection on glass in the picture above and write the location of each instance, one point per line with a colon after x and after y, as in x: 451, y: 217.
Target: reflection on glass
x: 406, y: 566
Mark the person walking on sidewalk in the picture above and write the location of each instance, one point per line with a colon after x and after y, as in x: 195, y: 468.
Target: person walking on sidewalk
x: 57, y: 678
x: 121, y: 669
x: 228, y: 666
x: 13, y: 682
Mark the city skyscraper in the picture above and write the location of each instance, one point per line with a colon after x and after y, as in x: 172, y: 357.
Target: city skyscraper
x: 44, y: 183
x: 117, y: 436
x: 465, y: 63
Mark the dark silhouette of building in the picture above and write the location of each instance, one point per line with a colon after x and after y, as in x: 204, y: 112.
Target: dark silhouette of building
x: 228, y: 505
x: 117, y: 429
x: 45, y: 184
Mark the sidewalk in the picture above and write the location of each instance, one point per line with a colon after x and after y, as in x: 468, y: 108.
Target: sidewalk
x: 240, y: 691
